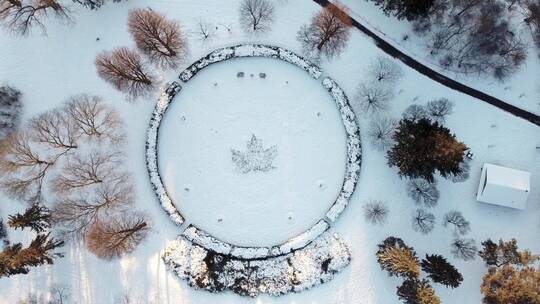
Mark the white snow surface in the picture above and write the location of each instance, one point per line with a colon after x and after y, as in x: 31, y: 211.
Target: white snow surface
x: 216, y: 112
x: 49, y: 69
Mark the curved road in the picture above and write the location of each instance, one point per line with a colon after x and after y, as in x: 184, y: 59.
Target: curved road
x: 436, y: 76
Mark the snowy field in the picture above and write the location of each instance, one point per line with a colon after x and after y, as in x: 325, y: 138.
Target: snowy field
x: 287, y: 109
x: 49, y: 69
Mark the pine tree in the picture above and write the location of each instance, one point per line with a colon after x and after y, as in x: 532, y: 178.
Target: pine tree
x: 37, y: 218
x: 414, y: 291
x: 440, y: 271
x: 15, y: 259
x: 424, y: 147
x: 3, y: 230
x: 499, y: 254
x: 511, y: 285
x: 398, y: 259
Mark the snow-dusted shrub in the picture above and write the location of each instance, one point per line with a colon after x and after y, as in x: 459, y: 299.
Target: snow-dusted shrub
x: 381, y: 132
x: 423, y: 221
x: 464, y: 249
x: 439, y: 109
x: 294, y: 272
x: 415, y: 112
x: 373, y: 97
x: 464, y: 172
x: 386, y: 70
x: 10, y: 110
x: 459, y: 223
x: 376, y: 212
x: 423, y: 192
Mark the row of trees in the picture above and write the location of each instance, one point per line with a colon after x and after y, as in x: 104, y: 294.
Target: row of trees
x: 70, y: 160
x: 400, y: 260
x: 160, y: 40
x: 513, y: 275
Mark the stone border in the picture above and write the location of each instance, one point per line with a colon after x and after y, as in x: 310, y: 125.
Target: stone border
x: 354, y: 153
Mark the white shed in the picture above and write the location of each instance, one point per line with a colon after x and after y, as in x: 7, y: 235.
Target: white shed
x: 504, y: 186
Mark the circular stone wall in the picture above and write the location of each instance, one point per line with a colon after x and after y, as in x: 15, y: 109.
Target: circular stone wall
x: 245, y: 190
x: 256, y: 158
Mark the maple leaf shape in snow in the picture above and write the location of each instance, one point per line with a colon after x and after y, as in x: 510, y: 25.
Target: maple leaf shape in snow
x: 256, y: 158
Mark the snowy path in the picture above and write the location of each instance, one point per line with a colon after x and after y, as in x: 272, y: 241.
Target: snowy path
x: 436, y: 76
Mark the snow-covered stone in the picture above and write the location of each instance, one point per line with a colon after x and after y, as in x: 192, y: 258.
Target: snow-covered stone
x: 250, y: 50
x: 151, y: 152
x: 354, y: 149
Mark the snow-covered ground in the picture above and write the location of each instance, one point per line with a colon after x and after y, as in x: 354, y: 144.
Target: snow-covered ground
x: 50, y: 69
x: 217, y: 112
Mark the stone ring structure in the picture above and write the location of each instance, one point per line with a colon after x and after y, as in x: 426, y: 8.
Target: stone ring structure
x: 204, y: 239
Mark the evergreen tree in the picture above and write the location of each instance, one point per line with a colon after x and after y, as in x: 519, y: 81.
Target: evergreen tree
x: 15, y: 259
x: 37, y: 218
x: 414, y: 291
x: 3, y: 231
x: 398, y: 259
x: 511, y: 285
x: 424, y: 147
x: 406, y: 9
x: 440, y: 271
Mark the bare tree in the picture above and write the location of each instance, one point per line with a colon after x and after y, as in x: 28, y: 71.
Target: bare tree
x: 160, y: 39
x: 95, y: 119
x: 373, y: 97
x: 117, y: 235
x: 478, y: 37
x: 381, y: 132
x: 256, y: 15
x: 464, y: 249
x: 439, y: 109
x: 56, y: 130
x: 59, y: 294
x: 21, y: 15
x: 376, y: 212
x: 84, y: 170
x: 423, y: 221
x: 10, y: 110
x: 415, y: 112
x: 532, y: 18
x: 385, y: 70
x: 423, y: 192
x: 205, y: 30
x: 456, y: 219
x: 328, y: 32
x: 126, y: 71
x: 23, y: 169
x: 76, y: 213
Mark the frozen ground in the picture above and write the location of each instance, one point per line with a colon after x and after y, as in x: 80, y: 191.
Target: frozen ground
x: 215, y: 112
x: 50, y: 69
